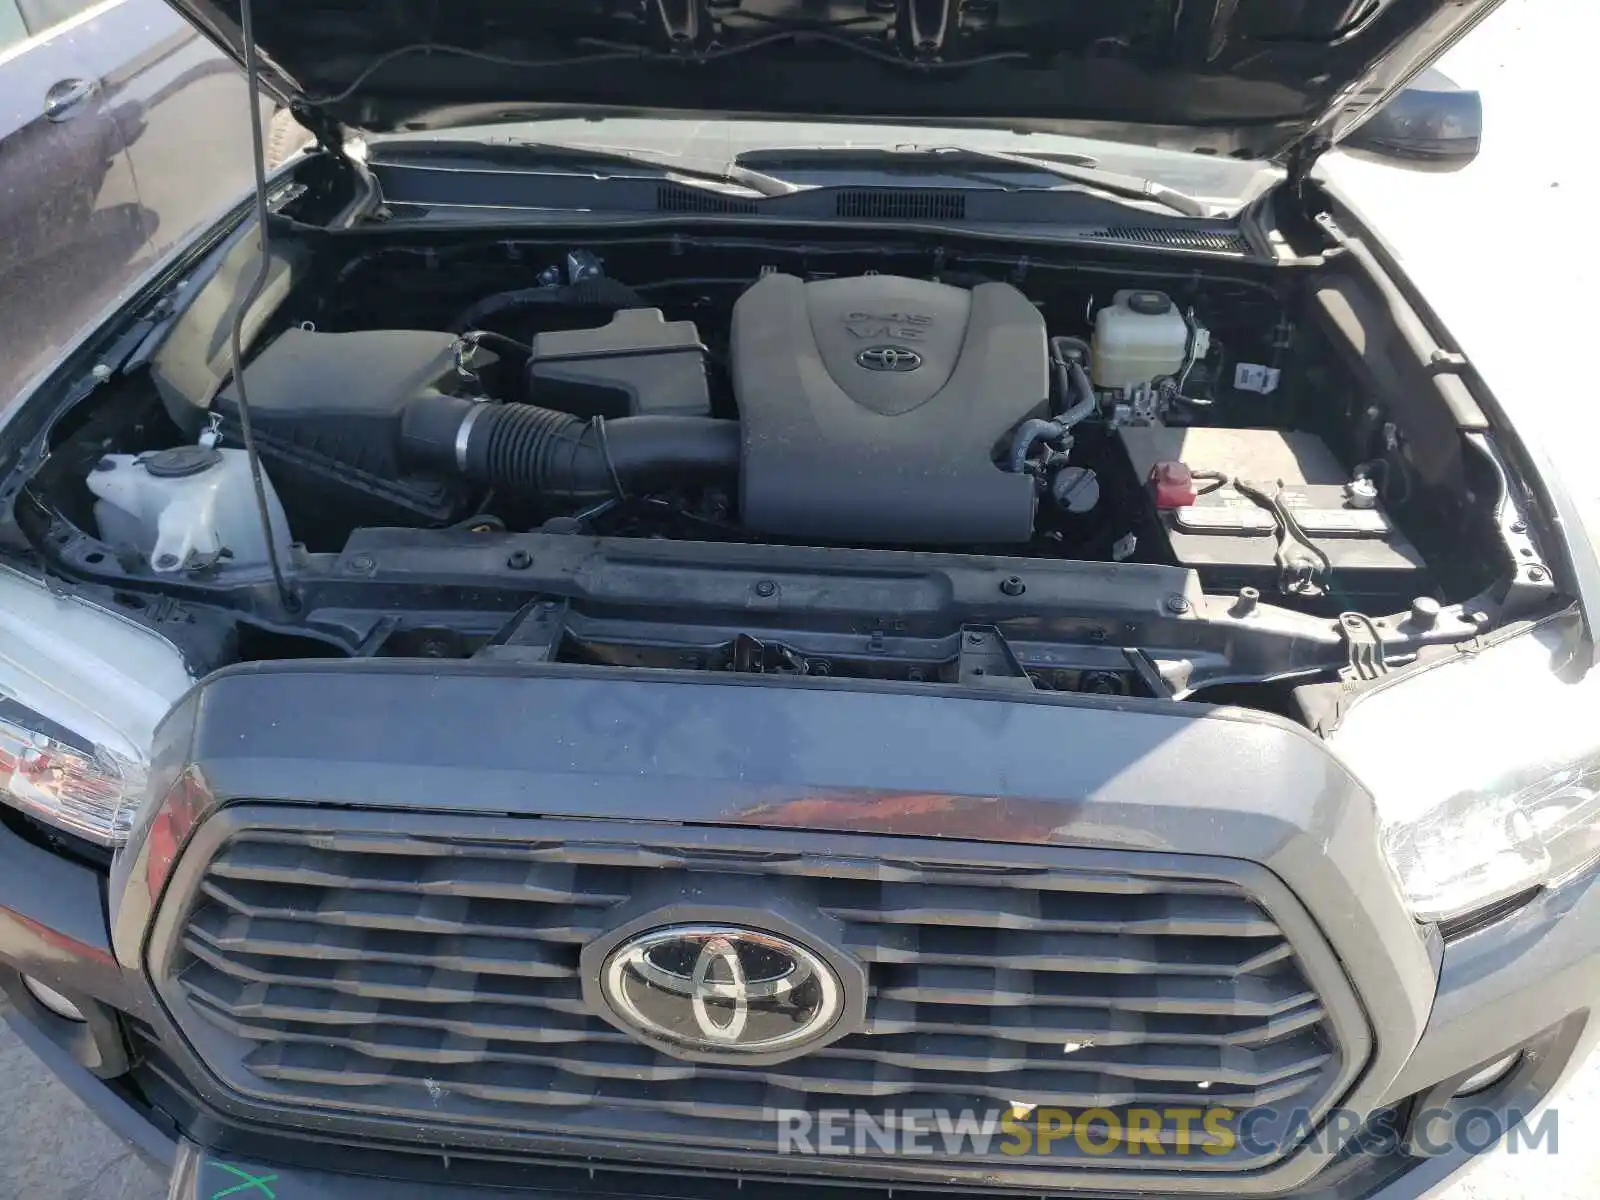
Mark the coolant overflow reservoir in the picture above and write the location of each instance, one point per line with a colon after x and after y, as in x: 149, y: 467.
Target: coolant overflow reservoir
x: 186, y: 504
x: 1139, y: 338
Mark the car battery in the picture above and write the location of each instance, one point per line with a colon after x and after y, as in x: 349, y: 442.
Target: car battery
x: 1232, y: 539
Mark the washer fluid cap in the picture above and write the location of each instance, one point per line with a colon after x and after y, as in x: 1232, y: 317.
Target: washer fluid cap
x: 180, y: 462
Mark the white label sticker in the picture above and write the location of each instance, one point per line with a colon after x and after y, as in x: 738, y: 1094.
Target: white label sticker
x: 1253, y: 377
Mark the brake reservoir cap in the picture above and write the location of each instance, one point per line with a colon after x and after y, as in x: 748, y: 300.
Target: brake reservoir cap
x: 1173, y: 485
x: 1150, y: 304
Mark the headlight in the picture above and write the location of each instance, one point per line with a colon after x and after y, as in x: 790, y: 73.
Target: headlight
x: 1486, y: 770
x: 47, y: 770
x: 81, y: 692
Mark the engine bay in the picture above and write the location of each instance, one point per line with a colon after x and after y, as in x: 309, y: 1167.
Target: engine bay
x: 872, y: 410
x: 818, y: 402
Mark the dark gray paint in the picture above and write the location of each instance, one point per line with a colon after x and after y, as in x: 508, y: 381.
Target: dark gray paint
x: 1256, y: 78
x: 1454, y: 1040
x: 1500, y: 986
x: 156, y: 143
x: 70, y: 220
x: 194, y: 1041
x: 908, y: 760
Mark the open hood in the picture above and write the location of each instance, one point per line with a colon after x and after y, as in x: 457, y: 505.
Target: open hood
x: 1278, y: 79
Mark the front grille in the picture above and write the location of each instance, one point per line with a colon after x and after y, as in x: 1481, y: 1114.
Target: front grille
x: 435, y: 977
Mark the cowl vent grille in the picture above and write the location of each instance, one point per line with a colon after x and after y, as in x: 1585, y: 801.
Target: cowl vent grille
x: 672, y: 198
x: 1225, y: 242
x: 913, y: 205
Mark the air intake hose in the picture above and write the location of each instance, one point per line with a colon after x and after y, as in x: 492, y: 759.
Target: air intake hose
x: 525, y: 449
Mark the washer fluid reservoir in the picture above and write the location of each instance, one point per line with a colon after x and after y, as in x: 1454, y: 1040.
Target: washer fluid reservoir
x: 186, y: 506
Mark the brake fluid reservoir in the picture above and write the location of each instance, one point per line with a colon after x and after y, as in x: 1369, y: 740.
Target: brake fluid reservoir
x: 1139, y: 338
x: 191, y: 503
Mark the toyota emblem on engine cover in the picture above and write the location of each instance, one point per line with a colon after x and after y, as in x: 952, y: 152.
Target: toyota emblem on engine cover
x: 889, y: 358
x: 721, y: 991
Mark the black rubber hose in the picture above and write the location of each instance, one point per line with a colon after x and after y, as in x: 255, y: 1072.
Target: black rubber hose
x: 524, y: 449
x: 1072, y: 381
x: 497, y: 341
x: 1087, y: 403
x: 1028, y: 435
x: 1072, y: 384
x: 1071, y: 349
x: 600, y: 292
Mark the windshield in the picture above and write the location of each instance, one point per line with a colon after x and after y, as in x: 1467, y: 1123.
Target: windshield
x: 1224, y: 185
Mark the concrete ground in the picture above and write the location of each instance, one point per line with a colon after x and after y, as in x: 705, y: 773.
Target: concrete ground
x: 1465, y: 238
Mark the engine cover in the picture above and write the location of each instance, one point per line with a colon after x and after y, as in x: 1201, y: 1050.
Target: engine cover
x: 872, y: 408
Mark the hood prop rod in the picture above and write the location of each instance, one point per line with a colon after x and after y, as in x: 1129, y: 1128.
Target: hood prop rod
x: 252, y: 68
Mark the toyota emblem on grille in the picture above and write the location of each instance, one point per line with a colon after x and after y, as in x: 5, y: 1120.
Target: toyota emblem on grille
x: 721, y: 990
x: 889, y: 358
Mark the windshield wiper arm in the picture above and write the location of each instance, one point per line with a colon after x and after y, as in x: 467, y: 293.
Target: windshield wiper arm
x: 758, y: 182
x: 1090, y: 174
x: 1074, y: 168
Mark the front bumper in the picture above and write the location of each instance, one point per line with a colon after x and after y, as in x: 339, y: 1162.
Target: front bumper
x: 1141, y: 777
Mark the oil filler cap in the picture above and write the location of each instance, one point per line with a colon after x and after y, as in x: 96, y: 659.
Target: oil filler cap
x: 180, y: 462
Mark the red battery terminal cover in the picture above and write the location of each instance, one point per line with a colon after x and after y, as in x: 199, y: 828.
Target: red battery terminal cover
x: 1173, y: 485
